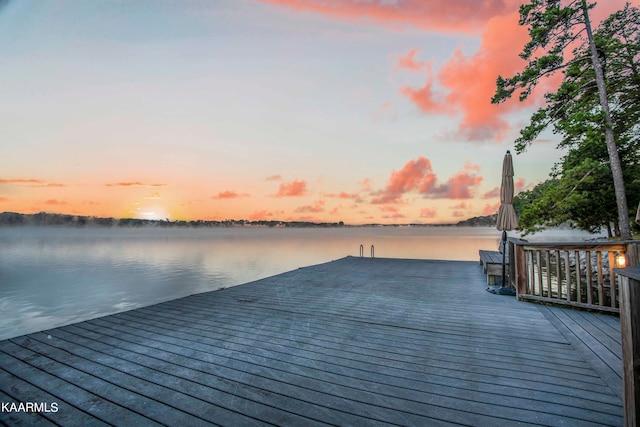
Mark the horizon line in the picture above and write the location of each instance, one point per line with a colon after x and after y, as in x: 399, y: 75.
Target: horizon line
x: 175, y: 221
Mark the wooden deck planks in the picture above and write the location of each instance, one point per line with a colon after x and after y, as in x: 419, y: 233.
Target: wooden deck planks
x: 351, y: 342
x: 26, y: 379
x: 595, y: 335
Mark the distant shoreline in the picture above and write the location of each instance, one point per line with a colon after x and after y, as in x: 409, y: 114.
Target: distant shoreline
x: 13, y: 219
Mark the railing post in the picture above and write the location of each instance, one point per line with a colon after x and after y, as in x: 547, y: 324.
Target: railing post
x: 632, y: 254
x: 630, y: 336
x: 521, y: 270
x: 512, y: 264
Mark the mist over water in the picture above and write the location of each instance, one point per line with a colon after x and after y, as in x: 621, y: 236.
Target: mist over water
x: 55, y: 276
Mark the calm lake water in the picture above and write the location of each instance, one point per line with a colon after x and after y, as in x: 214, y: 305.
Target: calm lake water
x: 55, y: 276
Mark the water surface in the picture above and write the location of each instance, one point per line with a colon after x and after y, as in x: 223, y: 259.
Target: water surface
x: 55, y: 276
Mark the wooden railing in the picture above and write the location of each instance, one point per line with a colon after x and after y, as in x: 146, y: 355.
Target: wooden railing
x: 579, y: 274
x: 630, y: 334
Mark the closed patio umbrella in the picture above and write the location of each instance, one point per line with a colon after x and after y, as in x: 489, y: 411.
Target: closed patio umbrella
x: 507, y: 218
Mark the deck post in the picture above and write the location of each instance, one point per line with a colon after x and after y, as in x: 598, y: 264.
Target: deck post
x: 521, y: 270
x: 512, y: 264
x: 633, y: 254
x: 630, y: 336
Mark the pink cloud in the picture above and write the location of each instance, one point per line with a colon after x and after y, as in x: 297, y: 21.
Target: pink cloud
x: 459, y: 186
x: 295, y: 188
x: 458, y: 214
x: 21, y: 181
x: 315, y: 208
x: 408, y: 62
x: 471, y: 167
x: 4, y: 199
x: 342, y: 195
x: 31, y: 182
x: 428, y: 213
x: 519, y: 185
x: 228, y: 195
x: 55, y: 202
x: 468, y: 82
x: 274, y: 178
x: 461, y: 15
x: 261, y: 215
x: 418, y: 176
x: 425, y: 98
x: 490, y: 209
x: 492, y: 194
x: 365, y: 185
x: 134, y: 184
x: 415, y: 175
x: 461, y: 205
x: 389, y: 209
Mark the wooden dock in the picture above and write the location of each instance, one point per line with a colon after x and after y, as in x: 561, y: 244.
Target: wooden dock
x: 353, y: 342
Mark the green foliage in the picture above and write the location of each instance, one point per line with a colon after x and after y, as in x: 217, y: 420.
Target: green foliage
x: 580, y: 190
x: 581, y: 187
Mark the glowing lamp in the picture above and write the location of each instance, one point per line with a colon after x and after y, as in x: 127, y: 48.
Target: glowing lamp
x: 621, y: 261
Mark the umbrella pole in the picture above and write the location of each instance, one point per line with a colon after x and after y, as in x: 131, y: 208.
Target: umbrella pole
x: 504, y: 250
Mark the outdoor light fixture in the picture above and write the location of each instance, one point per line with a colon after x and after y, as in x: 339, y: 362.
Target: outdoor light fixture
x: 621, y: 261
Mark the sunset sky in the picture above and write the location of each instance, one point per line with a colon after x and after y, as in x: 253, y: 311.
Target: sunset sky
x: 316, y: 110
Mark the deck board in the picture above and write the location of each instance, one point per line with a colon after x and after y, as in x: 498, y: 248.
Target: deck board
x: 350, y: 342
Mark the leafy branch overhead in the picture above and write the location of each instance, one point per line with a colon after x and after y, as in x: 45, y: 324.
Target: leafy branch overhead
x: 552, y: 32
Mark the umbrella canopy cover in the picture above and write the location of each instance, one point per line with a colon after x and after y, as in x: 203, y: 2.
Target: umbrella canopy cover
x: 507, y: 218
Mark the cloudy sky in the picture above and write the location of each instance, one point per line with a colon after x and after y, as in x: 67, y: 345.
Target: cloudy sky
x: 320, y: 110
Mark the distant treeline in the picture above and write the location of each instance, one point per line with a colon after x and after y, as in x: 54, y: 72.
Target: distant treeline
x: 480, y: 221
x: 53, y: 219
